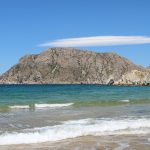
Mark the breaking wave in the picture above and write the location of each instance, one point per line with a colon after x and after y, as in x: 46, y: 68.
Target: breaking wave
x: 125, y: 101
x: 19, y: 107
x: 52, y: 105
x: 76, y: 128
x: 41, y: 106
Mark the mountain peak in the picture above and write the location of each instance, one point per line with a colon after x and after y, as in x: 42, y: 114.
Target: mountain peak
x: 69, y: 65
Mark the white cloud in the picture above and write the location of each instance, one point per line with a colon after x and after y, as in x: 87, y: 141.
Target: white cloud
x: 97, y: 41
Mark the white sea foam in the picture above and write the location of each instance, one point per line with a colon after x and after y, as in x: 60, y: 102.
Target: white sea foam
x: 19, y: 107
x: 125, y: 101
x: 41, y: 106
x: 52, y: 105
x: 76, y: 128
x: 122, y: 146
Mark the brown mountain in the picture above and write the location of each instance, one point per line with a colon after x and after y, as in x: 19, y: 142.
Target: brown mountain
x: 69, y: 65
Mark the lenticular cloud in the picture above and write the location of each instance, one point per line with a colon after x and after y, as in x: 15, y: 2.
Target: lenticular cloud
x: 98, y: 41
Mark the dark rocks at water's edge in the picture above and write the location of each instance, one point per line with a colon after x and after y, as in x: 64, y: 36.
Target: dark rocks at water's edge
x: 111, y: 82
x: 74, y: 66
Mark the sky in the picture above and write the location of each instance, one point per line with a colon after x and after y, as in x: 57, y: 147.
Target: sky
x: 26, y: 25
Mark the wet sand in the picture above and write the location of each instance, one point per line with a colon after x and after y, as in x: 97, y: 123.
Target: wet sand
x: 120, y: 142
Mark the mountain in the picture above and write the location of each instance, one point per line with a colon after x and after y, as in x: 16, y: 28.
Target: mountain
x: 69, y: 66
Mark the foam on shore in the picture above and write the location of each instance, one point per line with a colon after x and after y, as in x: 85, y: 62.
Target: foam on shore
x: 76, y: 128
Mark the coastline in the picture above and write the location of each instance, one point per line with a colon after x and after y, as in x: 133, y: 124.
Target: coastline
x: 74, y: 117
x: 61, y: 83
x: 119, y: 142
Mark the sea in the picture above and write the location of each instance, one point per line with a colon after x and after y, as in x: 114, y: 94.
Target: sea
x: 74, y: 117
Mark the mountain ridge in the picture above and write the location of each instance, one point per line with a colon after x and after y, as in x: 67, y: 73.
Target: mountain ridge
x: 69, y: 66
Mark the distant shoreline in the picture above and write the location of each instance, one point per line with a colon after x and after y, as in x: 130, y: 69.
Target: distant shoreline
x: 70, y: 84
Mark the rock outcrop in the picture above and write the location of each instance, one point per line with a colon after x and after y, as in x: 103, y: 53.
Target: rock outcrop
x: 135, y: 77
x: 73, y: 66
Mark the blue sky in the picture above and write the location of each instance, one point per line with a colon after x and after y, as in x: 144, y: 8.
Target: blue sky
x: 24, y: 24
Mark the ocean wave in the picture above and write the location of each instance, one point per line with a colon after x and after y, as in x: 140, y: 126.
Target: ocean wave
x: 125, y: 101
x: 80, y: 104
x: 19, y: 107
x: 76, y: 128
x: 41, y: 106
x: 52, y: 105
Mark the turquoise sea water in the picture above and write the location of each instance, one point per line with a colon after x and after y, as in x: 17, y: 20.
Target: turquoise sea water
x: 78, y: 94
x: 46, y: 113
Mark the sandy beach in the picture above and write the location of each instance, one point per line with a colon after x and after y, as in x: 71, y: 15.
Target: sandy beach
x: 123, y: 142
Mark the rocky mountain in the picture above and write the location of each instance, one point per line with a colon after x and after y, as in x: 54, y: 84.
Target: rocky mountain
x: 135, y: 77
x: 71, y: 66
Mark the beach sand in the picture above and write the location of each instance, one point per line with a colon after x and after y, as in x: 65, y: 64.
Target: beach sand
x: 120, y: 142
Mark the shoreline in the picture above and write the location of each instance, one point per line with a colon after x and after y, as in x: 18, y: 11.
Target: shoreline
x: 137, y: 142
x: 148, y: 84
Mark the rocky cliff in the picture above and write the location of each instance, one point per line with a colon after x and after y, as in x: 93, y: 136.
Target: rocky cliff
x: 69, y: 65
x: 135, y: 77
